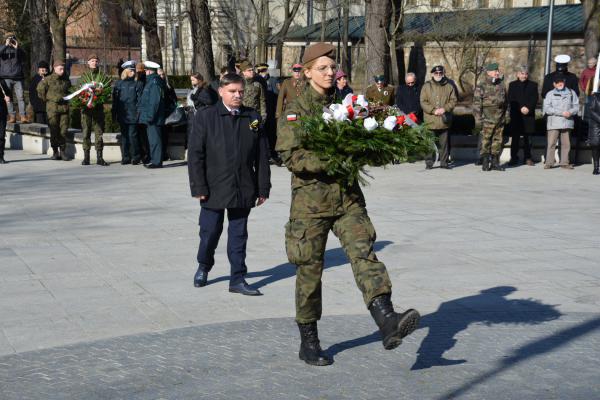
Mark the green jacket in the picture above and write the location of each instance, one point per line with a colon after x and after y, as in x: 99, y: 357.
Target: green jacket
x: 254, y: 97
x: 437, y: 95
x: 314, y: 193
x: 52, y: 90
x: 489, y: 101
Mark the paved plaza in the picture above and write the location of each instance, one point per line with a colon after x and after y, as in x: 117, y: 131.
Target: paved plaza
x: 97, y: 301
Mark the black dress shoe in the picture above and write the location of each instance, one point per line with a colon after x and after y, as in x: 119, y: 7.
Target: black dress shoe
x: 125, y: 162
x: 153, y: 166
x: 135, y: 162
x: 200, y: 278
x: 245, y: 289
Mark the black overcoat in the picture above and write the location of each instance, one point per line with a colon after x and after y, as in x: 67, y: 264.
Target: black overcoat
x: 522, y: 94
x: 593, y: 104
x: 228, y: 158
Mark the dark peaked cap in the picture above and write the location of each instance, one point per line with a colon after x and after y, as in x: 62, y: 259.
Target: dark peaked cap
x: 318, y: 50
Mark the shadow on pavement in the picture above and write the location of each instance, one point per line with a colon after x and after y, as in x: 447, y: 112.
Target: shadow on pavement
x: 490, y: 306
x: 333, y: 258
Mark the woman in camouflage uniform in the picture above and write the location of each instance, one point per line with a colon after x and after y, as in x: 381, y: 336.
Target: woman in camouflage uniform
x: 320, y: 205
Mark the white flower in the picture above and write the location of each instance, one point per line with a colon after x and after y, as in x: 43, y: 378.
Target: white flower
x: 370, y: 124
x: 340, y: 113
x: 390, y: 123
x: 327, y: 116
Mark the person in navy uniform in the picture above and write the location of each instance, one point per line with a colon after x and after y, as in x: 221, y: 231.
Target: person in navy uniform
x: 228, y: 165
x: 126, y: 95
x: 151, y: 112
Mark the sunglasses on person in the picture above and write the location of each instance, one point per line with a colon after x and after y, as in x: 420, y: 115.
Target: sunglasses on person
x: 296, y: 69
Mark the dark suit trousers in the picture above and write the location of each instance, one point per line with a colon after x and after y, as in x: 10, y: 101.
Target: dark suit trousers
x: 155, y: 141
x: 515, y: 145
x: 211, y: 227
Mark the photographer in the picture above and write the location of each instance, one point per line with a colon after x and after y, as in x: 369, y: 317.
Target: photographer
x: 12, y: 59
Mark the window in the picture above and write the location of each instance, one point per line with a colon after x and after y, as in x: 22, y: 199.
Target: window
x: 457, y: 4
x: 435, y: 3
x: 176, y: 32
x: 508, y: 3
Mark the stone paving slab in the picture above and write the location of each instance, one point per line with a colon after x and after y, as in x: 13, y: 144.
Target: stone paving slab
x: 530, y: 353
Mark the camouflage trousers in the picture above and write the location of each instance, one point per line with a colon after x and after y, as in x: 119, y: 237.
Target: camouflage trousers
x: 305, y: 241
x: 92, y: 120
x: 491, y: 138
x: 58, y: 123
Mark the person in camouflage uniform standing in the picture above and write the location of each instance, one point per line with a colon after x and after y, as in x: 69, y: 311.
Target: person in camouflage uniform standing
x: 319, y: 205
x: 489, y: 109
x: 51, y: 91
x: 254, y: 92
x: 93, y: 119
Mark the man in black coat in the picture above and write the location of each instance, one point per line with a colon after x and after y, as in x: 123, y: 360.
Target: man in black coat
x: 228, y: 165
x: 39, y: 107
x: 4, y: 100
x: 408, y: 96
x: 522, y: 98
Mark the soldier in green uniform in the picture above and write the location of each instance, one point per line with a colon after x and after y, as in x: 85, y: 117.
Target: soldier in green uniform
x: 380, y: 93
x: 254, y: 92
x: 51, y: 91
x: 489, y: 109
x: 92, y: 119
x: 290, y: 89
x: 319, y: 205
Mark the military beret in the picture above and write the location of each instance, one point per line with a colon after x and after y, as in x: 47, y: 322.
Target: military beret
x: 43, y: 64
x: 151, y: 65
x: 379, y: 78
x: 562, y: 59
x: 318, y: 50
x: 245, y: 65
x: 558, y: 78
x: 92, y: 57
x: 437, y: 68
x: 492, y: 67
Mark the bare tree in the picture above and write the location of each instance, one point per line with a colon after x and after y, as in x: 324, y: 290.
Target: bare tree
x: 290, y: 9
x: 203, y: 60
x: 591, y: 28
x: 263, y: 18
x: 144, y: 13
x: 345, y: 50
x: 41, y: 39
x: 377, y: 22
x: 59, y: 14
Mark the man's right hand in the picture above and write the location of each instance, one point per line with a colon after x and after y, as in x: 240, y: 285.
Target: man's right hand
x: 201, y: 198
x: 7, y: 99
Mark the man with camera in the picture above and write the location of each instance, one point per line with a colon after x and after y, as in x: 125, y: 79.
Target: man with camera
x: 12, y: 59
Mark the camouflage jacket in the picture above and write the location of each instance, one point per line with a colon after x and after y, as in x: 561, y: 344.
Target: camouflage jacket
x: 255, y: 97
x: 385, y: 96
x: 52, y: 90
x: 489, y: 100
x: 314, y: 193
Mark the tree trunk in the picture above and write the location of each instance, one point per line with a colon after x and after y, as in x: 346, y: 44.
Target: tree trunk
x: 180, y: 42
x: 323, y: 19
x: 591, y: 17
x: 58, y: 28
x: 145, y: 15
x: 377, y: 21
x: 41, y: 39
x: 345, y: 49
x: 289, y: 16
x: 202, y: 38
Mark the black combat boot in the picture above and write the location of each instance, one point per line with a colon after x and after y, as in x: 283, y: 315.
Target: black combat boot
x: 496, y: 166
x: 596, y: 159
x: 486, y: 163
x: 55, y: 154
x: 63, y: 154
x: 86, y: 157
x: 393, y: 326
x: 310, y: 348
x: 99, y: 159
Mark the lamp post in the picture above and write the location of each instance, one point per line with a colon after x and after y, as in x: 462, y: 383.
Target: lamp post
x: 104, y: 25
x: 549, y: 38
x: 128, y: 13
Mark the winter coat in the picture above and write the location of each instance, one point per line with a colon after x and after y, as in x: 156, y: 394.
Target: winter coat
x: 522, y: 94
x: 228, y: 158
x: 593, y: 116
x: 11, y: 63
x: 203, y: 96
x: 571, y: 82
x: 151, y: 106
x: 437, y: 95
x: 408, y: 99
x: 52, y: 90
x: 3, y: 92
x: 555, y: 103
x: 36, y: 103
x: 126, y: 94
